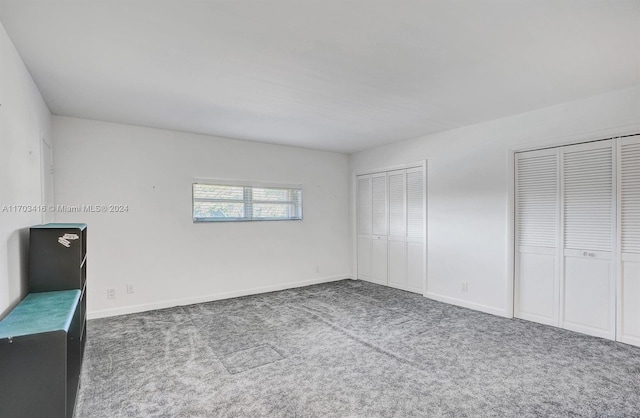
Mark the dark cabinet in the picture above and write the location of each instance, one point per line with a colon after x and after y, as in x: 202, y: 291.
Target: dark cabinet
x: 58, y: 261
x: 57, y: 257
x: 41, y: 356
x: 42, y: 340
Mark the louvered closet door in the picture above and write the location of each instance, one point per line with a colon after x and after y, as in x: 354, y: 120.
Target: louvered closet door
x: 363, y: 213
x: 588, y: 294
x: 397, y: 229
x: 391, y: 223
x: 416, y: 215
x: 629, y: 227
x: 379, y: 228
x: 537, y: 221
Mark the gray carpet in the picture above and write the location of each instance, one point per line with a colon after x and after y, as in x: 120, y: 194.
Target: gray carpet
x: 348, y: 349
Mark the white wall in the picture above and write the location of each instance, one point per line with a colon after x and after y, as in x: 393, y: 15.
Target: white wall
x: 157, y: 247
x: 24, y: 120
x: 470, y: 189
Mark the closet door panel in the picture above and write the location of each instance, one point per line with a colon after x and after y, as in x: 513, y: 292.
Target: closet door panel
x: 416, y: 218
x: 364, y: 259
x: 415, y: 267
x: 537, y: 290
x: 588, y: 215
x: 379, y: 205
x: 379, y: 216
x: 415, y: 204
x: 397, y: 229
x: 588, y: 196
x: 630, y: 325
x: 629, y: 227
x: 363, y: 213
x: 537, y: 220
x: 364, y: 205
x: 398, y: 263
x: 588, y: 288
x: 379, y: 260
x: 397, y: 204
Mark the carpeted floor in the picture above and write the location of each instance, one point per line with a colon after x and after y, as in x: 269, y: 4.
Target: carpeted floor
x: 348, y: 349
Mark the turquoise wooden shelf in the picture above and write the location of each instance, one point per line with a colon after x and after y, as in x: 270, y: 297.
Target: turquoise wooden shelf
x: 41, y: 312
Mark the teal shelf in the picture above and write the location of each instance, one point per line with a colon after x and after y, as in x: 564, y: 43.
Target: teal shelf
x: 60, y: 226
x: 41, y: 312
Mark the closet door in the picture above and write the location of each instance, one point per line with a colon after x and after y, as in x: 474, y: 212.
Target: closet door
x: 391, y: 219
x: 363, y: 213
x: 588, y: 291
x: 537, y: 220
x: 416, y: 215
x: 397, y: 229
x: 629, y: 233
x: 379, y: 228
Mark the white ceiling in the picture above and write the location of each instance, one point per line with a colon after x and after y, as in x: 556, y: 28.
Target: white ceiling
x: 338, y: 75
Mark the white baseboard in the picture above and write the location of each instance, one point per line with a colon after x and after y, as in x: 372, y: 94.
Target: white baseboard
x: 209, y: 298
x: 631, y: 340
x: 539, y: 319
x: 467, y: 304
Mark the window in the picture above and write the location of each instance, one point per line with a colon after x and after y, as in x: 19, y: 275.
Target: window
x: 222, y: 202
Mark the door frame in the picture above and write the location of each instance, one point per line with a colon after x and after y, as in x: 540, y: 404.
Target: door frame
x: 354, y: 212
x: 49, y: 214
x: 620, y: 335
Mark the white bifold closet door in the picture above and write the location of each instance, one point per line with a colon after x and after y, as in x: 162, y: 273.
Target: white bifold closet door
x: 398, y: 229
x: 391, y: 228
x: 416, y: 216
x: 379, y: 228
x: 589, y: 292
x: 565, y: 220
x: 629, y: 233
x: 364, y: 227
x: 537, y: 286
